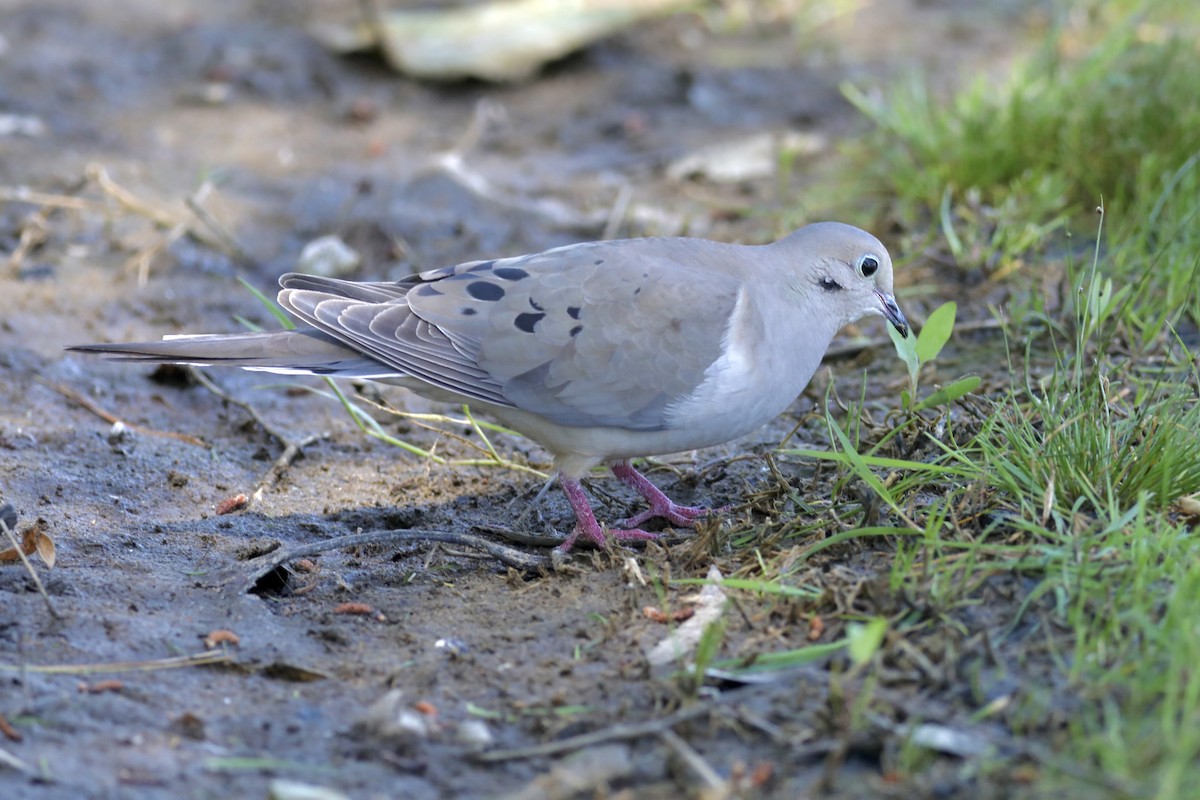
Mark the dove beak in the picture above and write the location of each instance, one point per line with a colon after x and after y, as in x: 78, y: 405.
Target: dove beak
x: 893, y: 313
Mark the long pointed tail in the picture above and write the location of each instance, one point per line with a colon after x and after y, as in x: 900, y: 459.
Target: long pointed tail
x: 300, y: 352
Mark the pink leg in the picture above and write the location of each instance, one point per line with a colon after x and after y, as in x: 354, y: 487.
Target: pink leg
x: 585, y: 521
x: 660, y: 504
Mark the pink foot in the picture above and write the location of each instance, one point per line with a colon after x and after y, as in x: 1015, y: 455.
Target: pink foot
x: 586, y: 524
x: 660, y: 504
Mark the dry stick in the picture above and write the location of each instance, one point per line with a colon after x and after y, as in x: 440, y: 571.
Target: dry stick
x: 694, y: 760
x: 618, y: 212
x: 636, y: 730
x: 132, y: 203
x: 33, y: 234
x: 195, y: 203
x: 159, y: 216
x: 11, y: 761
x: 23, y: 194
x: 37, y: 581
x: 248, y: 574
x: 206, y: 658
x: 183, y: 227
x: 142, y: 258
x: 35, y: 230
x: 523, y: 537
x: 291, y: 448
x: 93, y: 407
x: 290, y: 453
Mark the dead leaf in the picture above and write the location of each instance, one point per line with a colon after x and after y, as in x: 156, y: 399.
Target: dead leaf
x: 221, y: 636
x: 109, y: 685
x: 681, y: 642
x: 1189, y: 506
x: 657, y: 615
x: 10, y: 733
x: 232, y: 504
x: 33, y: 540
x: 353, y: 608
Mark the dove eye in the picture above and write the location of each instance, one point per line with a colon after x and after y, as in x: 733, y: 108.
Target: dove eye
x: 868, y: 266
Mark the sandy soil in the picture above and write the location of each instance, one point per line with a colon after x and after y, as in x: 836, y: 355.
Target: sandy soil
x: 300, y: 143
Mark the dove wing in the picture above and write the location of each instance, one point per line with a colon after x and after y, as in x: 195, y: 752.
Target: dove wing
x: 602, y: 334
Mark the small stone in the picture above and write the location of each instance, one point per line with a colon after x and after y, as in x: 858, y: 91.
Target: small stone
x: 327, y: 257
x: 475, y: 734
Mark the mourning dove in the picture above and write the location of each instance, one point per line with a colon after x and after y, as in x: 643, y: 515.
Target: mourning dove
x: 601, y: 352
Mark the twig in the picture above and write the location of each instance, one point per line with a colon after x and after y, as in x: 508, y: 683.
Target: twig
x: 37, y: 581
x: 292, y: 449
x: 23, y: 194
x: 453, y: 164
x: 219, y: 229
x: 522, y: 537
x: 93, y: 407
x: 694, y: 760
x: 99, y: 175
x: 183, y: 227
x: 141, y: 259
x: 178, y: 223
x: 33, y: 234
x: 615, y: 733
x: 245, y: 576
x: 267, y: 427
x: 616, y: 215
x: 11, y: 761
x: 174, y: 662
x: 290, y: 453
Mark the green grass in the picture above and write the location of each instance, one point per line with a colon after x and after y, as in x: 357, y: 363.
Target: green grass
x: 1097, y: 116
x: 1067, y: 482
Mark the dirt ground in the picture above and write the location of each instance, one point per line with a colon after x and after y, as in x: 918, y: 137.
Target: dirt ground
x: 300, y: 143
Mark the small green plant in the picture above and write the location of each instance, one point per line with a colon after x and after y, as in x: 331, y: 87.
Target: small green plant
x: 865, y: 639
x: 924, y: 348
x: 1105, y: 107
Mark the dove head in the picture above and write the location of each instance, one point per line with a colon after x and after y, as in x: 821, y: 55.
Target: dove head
x: 845, y: 269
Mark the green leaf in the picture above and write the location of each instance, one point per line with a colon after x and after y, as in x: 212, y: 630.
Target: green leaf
x: 906, y: 348
x: 858, y: 465
x: 774, y: 662
x: 948, y: 394
x: 947, y: 218
x: 270, y: 305
x: 878, y: 461
x: 865, y: 640
x: 709, y: 644
x: 936, y: 332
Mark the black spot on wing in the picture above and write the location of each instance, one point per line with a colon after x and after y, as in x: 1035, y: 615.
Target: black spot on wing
x: 467, y: 311
x: 510, y: 273
x: 575, y: 331
x: 573, y: 312
x: 526, y: 322
x: 482, y: 290
x: 534, y: 305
